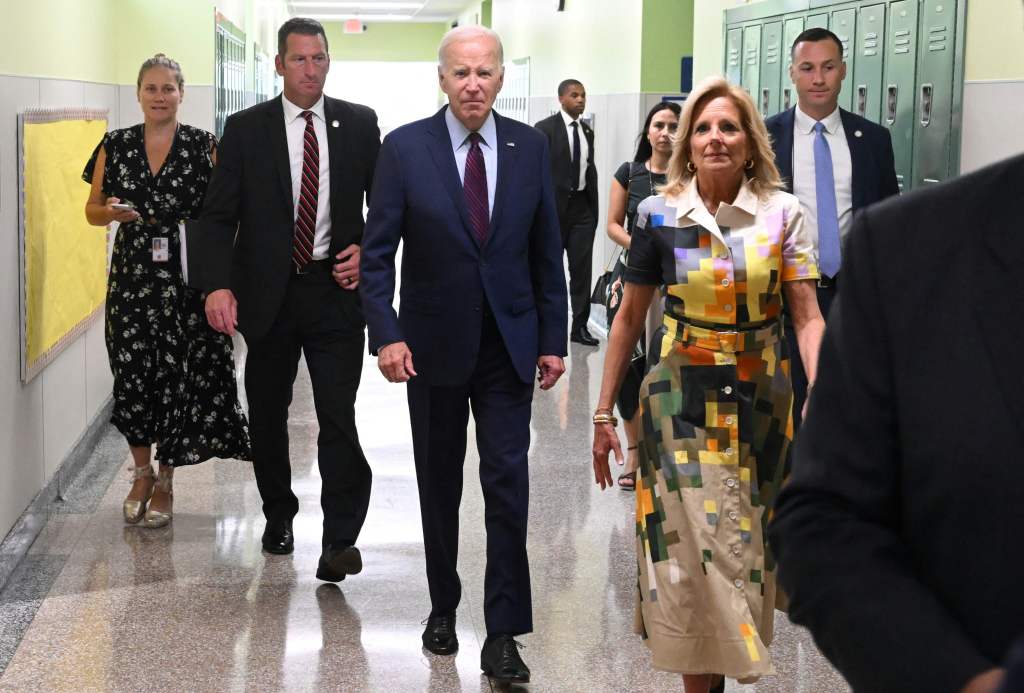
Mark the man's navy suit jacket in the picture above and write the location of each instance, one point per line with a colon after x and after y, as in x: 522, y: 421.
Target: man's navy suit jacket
x: 871, y: 155
x: 448, y: 279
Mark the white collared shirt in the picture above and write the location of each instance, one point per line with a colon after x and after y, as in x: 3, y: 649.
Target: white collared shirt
x: 459, y: 135
x: 584, y: 147
x: 295, y: 128
x: 803, y: 170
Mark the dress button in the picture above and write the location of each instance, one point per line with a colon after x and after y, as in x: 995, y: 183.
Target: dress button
x: 728, y: 451
x: 725, y: 282
x: 727, y: 307
x: 736, y: 550
x: 738, y: 583
x: 724, y: 255
x: 730, y: 420
x: 733, y: 515
x: 731, y: 483
x: 727, y: 389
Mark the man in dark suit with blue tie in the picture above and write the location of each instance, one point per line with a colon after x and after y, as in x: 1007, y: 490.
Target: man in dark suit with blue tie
x: 834, y: 161
x: 483, y: 309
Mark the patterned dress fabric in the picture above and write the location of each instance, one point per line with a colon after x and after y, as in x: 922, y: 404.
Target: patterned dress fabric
x: 174, y: 379
x: 716, y: 425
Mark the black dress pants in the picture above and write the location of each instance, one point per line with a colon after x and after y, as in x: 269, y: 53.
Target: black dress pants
x: 439, y: 415
x: 325, y: 325
x: 796, y: 364
x: 578, y: 240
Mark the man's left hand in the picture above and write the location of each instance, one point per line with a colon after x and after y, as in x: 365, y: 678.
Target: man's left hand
x: 346, y: 269
x: 549, y: 370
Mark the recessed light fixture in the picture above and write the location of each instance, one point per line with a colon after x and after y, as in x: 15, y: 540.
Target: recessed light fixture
x: 366, y: 5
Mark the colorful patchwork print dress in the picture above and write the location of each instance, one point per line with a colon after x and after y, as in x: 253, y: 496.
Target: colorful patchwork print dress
x: 716, y: 425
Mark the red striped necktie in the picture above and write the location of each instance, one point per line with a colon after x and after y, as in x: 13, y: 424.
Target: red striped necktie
x: 305, y: 217
x: 474, y: 187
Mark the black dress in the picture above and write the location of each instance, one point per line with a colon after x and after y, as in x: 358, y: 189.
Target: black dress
x: 174, y: 377
x: 640, y: 184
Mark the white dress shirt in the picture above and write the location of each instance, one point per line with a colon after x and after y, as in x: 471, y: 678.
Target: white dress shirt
x: 295, y: 127
x: 459, y: 134
x: 584, y: 147
x: 803, y: 170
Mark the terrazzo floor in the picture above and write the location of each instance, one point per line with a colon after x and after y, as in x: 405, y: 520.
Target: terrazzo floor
x: 101, y: 606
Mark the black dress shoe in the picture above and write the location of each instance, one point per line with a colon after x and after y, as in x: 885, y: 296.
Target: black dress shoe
x: 336, y: 563
x: 278, y: 538
x: 583, y: 336
x: 439, y: 635
x: 500, y: 660
x: 720, y: 688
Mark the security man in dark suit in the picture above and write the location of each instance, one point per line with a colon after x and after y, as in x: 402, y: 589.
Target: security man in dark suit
x: 834, y: 161
x: 281, y: 229
x: 575, y: 180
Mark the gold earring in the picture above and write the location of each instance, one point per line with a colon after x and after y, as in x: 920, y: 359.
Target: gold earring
x: 690, y: 167
x: 749, y: 165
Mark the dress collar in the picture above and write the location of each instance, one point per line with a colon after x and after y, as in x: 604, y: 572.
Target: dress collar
x: 804, y: 123
x: 291, y: 111
x: 459, y: 132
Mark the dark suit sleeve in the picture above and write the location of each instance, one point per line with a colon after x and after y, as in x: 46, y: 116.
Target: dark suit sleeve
x: 548, y: 277
x: 837, y: 528
x: 381, y: 237
x: 218, y: 221
x: 888, y: 184
x: 372, y: 151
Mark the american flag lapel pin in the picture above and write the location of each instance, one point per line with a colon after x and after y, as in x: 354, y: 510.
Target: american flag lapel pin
x: 510, y: 144
x: 335, y: 123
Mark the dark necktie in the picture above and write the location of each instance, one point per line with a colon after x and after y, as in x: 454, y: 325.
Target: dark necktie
x: 574, y: 166
x: 474, y: 187
x: 309, y: 190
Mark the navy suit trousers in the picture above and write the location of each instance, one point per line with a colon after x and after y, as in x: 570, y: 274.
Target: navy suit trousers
x: 501, y: 403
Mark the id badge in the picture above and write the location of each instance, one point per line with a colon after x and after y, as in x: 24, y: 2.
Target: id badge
x: 161, y: 249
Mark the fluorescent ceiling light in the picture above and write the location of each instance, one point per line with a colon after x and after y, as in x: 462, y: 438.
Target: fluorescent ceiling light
x: 362, y: 17
x: 366, y: 5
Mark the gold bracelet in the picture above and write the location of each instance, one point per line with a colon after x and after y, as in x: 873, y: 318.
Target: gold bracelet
x: 606, y: 418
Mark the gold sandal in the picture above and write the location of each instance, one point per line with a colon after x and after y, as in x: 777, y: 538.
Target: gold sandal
x: 134, y: 509
x: 158, y: 518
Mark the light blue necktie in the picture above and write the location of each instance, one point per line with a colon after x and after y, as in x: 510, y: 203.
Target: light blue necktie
x: 828, y: 216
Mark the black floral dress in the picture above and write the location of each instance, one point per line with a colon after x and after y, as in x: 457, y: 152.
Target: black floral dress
x: 174, y: 376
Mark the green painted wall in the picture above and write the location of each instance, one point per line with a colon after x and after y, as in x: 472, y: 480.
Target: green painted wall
x: 68, y: 39
x: 389, y: 42
x: 594, y: 41
x: 146, y: 27
x: 666, y: 37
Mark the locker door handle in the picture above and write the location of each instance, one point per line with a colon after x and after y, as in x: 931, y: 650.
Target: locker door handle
x: 926, y: 105
x: 787, y: 96
x: 765, y: 98
x: 862, y: 99
x: 891, y: 94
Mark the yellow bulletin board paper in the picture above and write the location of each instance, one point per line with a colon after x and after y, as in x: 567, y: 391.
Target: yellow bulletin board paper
x: 63, y: 257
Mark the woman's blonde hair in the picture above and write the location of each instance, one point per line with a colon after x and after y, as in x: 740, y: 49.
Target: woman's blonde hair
x: 763, y: 176
x: 161, y: 60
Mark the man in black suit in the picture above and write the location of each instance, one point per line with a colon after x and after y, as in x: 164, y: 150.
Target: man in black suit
x: 816, y: 141
x: 282, y: 224
x: 482, y: 312
x: 897, y: 534
x: 575, y: 180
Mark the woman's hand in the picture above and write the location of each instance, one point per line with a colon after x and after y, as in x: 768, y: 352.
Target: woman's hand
x: 122, y: 216
x: 605, y: 440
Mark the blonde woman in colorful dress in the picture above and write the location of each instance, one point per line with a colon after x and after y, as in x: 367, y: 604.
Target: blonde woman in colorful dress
x: 715, y: 408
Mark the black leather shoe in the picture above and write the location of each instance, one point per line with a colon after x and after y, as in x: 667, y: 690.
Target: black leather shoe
x: 439, y: 635
x: 278, y: 538
x: 500, y: 660
x: 720, y: 688
x: 583, y: 336
x: 336, y: 563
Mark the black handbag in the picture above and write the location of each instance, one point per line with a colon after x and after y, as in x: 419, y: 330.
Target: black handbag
x: 612, y: 271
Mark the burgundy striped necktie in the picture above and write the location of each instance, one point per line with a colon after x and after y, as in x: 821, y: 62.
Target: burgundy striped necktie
x: 305, y: 218
x: 474, y: 187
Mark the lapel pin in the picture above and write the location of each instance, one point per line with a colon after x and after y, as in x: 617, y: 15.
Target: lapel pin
x: 858, y: 133
x: 335, y: 124
x: 510, y: 144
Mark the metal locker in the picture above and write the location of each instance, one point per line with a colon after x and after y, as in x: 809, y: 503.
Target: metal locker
x: 866, y: 77
x: 792, y: 28
x: 816, y: 21
x: 771, y: 69
x: 898, y: 98
x: 751, y: 59
x: 843, y: 26
x: 934, y: 91
x: 734, y: 55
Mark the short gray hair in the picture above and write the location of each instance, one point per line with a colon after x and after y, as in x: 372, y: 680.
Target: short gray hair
x: 465, y: 33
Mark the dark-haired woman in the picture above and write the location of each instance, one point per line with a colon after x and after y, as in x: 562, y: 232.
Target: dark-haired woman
x: 174, y: 382
x: 634, y: 182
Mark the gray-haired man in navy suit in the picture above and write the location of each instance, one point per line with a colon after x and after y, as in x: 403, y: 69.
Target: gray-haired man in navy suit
x: 818, y: 142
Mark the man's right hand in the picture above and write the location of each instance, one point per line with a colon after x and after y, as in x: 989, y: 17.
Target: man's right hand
x: 395, y: 362
x: 222, y: 311
x: 985, y: 682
